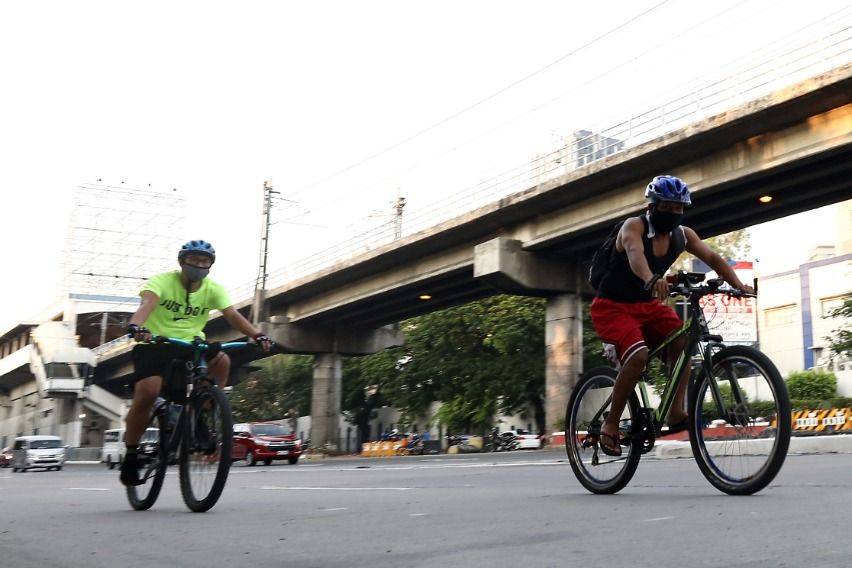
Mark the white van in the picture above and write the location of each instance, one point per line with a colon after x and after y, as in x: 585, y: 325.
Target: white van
x: 38, y: 451
x: 113, y: 451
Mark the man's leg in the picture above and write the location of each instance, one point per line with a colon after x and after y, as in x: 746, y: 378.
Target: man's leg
x: 219, y: 367
x: 678, y: 413
x: 625, y: 382
x: 145, y: 393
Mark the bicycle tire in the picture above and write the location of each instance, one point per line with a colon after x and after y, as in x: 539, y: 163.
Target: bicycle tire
x: 779, y: 448
x: 143, y: 497
x: 189, y: 455
x: 572, y: 443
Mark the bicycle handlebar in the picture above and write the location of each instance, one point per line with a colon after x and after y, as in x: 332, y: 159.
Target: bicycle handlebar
x: 686, y: 286
x: 203, y: 345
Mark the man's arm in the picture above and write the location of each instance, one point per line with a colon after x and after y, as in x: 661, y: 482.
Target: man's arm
x: 699, y: 248
x: 239, y: 322
x: 137, y: 320
x: 244, y: 326
x: 631, y: 240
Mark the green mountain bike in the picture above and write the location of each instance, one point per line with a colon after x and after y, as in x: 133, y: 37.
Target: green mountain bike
x: 739, y: 412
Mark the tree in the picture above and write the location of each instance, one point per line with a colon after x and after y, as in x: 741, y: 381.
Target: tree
x: 841, y: 340
x: 477, y: 359
x: 281, y: 388
x: 730, y: 246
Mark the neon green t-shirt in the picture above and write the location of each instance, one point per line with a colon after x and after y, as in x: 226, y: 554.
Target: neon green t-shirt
x: 174, y: 316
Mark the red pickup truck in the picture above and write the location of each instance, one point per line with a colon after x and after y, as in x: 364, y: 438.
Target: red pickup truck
x: 264, y: 442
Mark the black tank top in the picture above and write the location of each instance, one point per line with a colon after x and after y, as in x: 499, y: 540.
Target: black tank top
x: 621, y: 285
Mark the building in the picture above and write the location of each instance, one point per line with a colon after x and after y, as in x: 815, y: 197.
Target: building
x: 795, y: 305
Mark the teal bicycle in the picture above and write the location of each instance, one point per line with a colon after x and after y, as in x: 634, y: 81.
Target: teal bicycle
x: 735, y: 396
x: 193, y: 426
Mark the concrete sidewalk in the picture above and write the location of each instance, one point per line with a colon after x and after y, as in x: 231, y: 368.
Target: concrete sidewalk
x: 838, y: 444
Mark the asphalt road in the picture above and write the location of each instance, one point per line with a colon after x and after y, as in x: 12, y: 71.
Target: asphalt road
x: 520, y: 509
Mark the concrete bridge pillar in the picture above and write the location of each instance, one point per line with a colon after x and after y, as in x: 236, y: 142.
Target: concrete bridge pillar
x: 563, y: 338
x: 325, y: 400
x: 503, y: 263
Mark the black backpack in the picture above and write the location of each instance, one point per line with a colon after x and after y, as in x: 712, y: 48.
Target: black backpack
x: 603, y: 257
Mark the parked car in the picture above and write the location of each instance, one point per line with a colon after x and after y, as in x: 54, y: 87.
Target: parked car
x: 114, y: 449
x: 6, y: 457
x: 37, y: 451
x: 264, y: 442
x: 527, y: 440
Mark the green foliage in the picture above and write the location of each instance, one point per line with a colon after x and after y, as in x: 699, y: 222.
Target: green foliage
x: 812, y: 385
x: 281, y: 388
x: 841, y: 339
x: 479, y: 358
x: 735, y: 245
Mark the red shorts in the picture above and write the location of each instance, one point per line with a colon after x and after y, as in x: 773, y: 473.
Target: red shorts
x: 632, y: 326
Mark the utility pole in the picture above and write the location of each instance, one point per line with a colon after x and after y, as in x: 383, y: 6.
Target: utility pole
x: 398, y: 207
x: 258, y: 307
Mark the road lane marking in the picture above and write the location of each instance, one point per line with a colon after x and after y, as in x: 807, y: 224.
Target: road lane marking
x: 336, y: 509
x: 654, y: 520
x: 288, y: 488
x: 417, y: 515
x: 88, y: 489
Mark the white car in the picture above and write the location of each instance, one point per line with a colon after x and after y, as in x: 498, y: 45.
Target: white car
x: 527, y: 440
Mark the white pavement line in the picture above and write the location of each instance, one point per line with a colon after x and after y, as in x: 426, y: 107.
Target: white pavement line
x: 417, y: 515
x: 654, y: 520
x: 88, y: 489
x: 280, y: 488
x: 336, y: 509
x: 441, y: 466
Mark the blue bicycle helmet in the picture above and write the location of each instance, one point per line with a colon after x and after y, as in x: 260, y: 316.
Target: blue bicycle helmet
x: 668, y: 188
x: 197, y: 247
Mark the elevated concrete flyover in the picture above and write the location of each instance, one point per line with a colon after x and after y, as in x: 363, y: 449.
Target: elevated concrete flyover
x: 793, y: 144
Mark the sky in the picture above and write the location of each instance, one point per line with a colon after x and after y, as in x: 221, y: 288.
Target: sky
x: 343, y: 105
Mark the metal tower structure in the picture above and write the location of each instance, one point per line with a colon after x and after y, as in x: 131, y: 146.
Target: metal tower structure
x: 120, y: 235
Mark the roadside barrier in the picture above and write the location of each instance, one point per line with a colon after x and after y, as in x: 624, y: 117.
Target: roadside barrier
x: 822, y: 420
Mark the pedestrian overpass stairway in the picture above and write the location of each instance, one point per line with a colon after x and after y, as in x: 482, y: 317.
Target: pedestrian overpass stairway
x: 61, y: 369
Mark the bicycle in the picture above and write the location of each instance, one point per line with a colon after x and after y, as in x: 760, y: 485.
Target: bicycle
x: 737, y: 384
x: 192, y: 423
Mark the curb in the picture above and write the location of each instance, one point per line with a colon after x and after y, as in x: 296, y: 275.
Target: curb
x: 841, y: 444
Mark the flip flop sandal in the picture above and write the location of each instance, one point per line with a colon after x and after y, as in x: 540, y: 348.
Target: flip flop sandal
x: 613, y: 450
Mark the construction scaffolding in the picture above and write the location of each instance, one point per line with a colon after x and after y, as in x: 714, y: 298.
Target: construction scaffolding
x: 120, y: 235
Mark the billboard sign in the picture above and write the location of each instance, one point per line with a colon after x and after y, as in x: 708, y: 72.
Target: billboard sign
x: 735, y: 319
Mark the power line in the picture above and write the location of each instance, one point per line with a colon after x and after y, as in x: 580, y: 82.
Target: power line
x: 484, y: 100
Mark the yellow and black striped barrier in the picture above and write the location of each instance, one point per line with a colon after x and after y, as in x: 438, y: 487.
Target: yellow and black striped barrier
x: 823, y: 420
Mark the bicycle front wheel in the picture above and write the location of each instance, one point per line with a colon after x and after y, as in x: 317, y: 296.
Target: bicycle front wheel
x: 152, y: 462
x: 739, y: 421
x: 589, y: 404
x: 205, y: 456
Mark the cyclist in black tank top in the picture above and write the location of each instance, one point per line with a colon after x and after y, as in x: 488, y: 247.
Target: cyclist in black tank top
x: 628, y: 313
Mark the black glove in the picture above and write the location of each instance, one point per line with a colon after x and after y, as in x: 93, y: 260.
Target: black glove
x: 138, y: 333
x: 264, y: 342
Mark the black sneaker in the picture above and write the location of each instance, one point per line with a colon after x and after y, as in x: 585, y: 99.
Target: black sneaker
x: 130, y: 470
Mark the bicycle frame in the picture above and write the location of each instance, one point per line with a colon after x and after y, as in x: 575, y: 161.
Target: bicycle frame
x: 699, y: 341
x: 196, y: 371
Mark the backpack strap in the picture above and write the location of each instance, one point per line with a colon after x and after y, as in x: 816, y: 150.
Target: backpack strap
x: 680, y: 239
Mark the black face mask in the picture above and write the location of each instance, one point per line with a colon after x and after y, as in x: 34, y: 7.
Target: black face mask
x: 665, y: 221
x: 193, y: 273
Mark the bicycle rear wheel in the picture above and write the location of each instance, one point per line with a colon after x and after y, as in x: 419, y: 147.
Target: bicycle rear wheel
x: 743, y: 450
x: 205, y: 456
x: 152, y: 461
x: 587, y: 408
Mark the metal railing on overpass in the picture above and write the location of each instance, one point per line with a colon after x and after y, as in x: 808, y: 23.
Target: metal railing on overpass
x: 816, y: 48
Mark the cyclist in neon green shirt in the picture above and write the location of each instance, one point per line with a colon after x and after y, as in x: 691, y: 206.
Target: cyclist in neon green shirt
x: 175, y: 304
